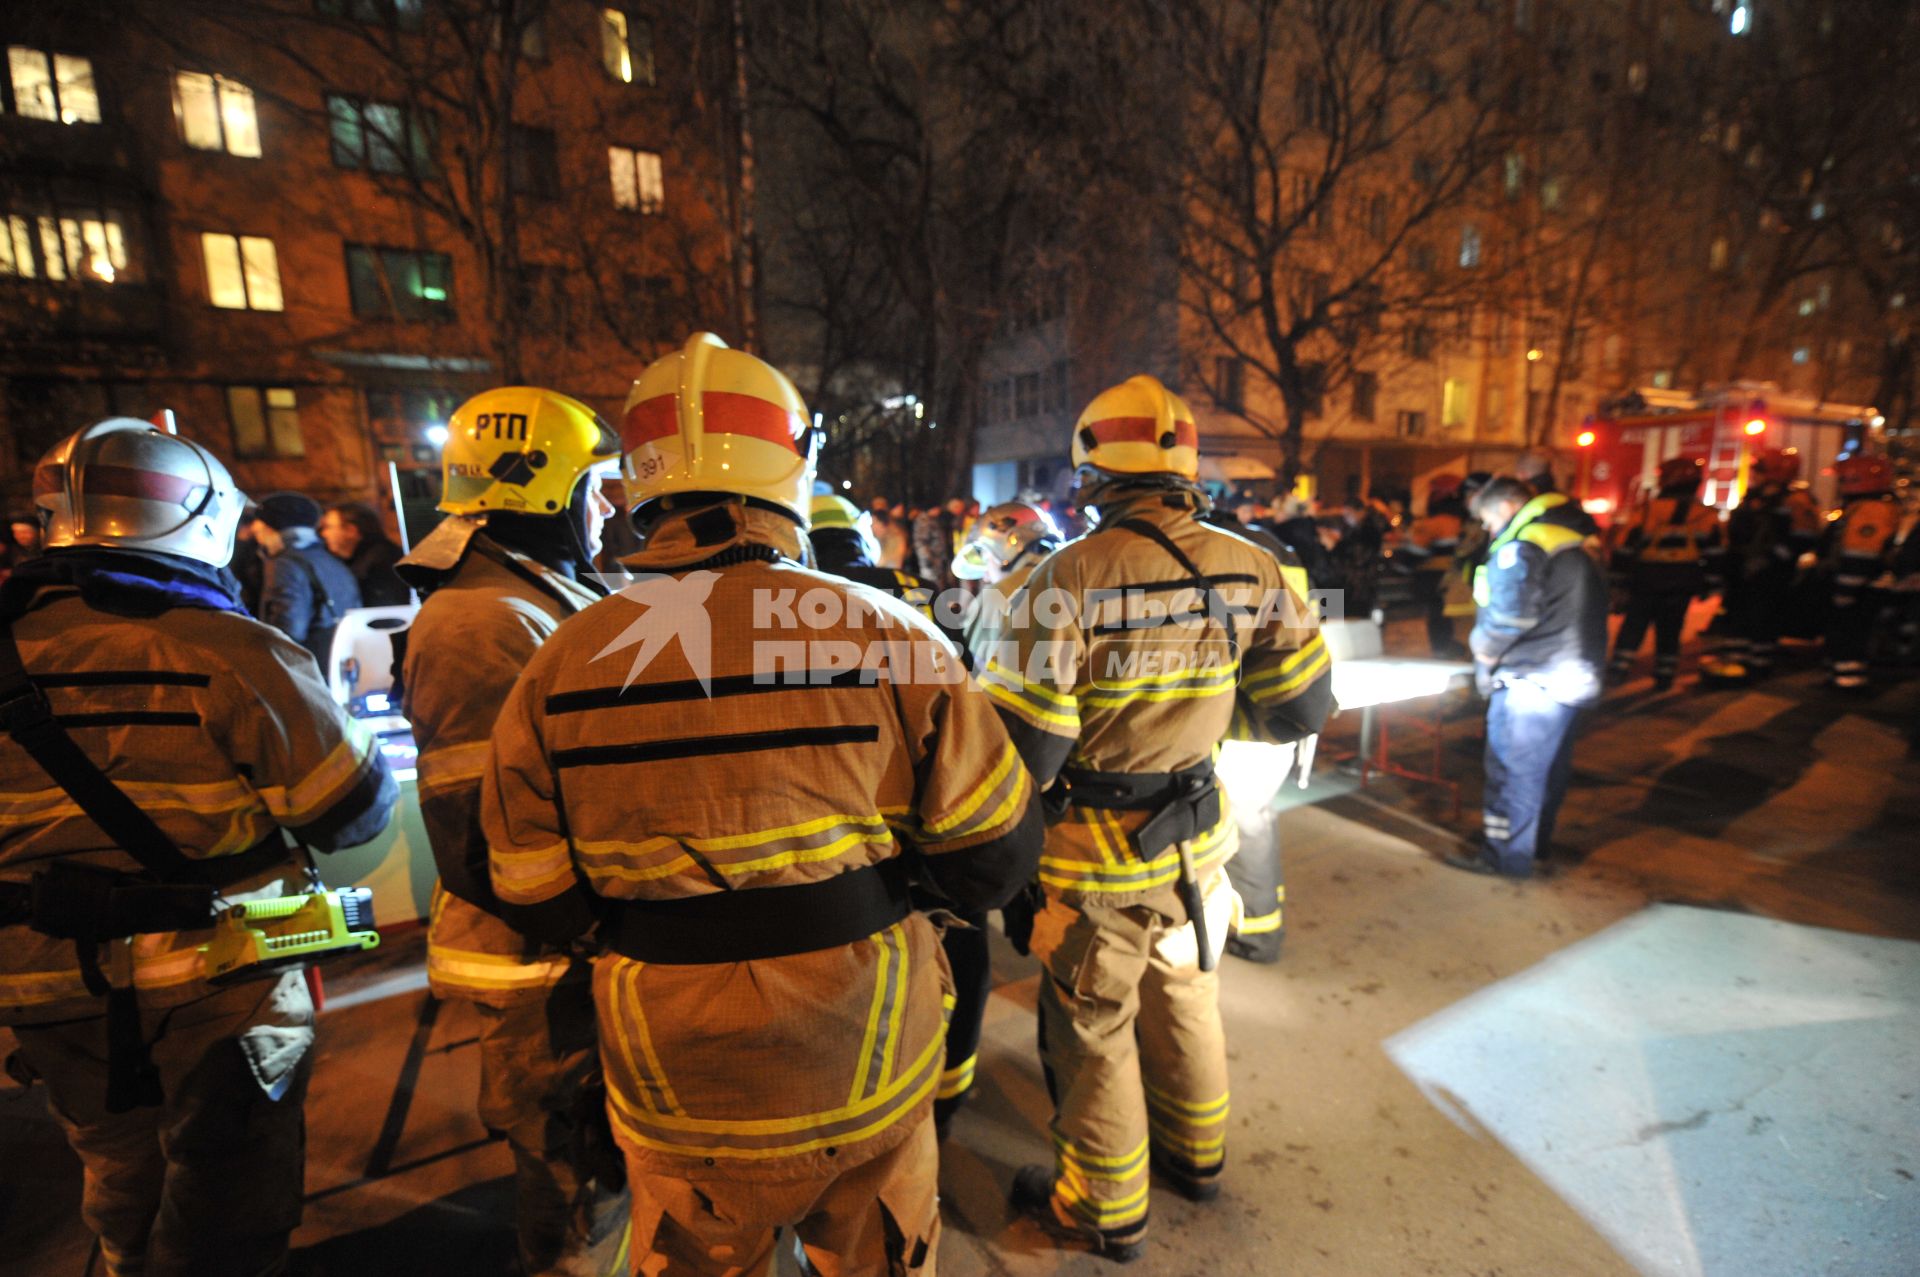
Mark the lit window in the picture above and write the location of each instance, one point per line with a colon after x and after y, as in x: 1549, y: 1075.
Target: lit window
x: 1469, y: 246
x: 1514, y: 176
x: 79, y: 244
x: 1742, y: 20
x: 216, y: 114
x: 1801, y: 354
x: 1553, y: 193
x: 266, y: 421
x: 57, y: 86
x: 243, y: 272
x: 638, y: 181
x: 1453, y: 402
x: 626, y: 47
x: 399, y: 283
x: 1717, y: 253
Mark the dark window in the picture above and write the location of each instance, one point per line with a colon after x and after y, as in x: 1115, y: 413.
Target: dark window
x: 1419, y: 343
x: 1366, y: 387
x: 540, y: 294
x: 1026, y: 395
x: 404, y: 15
x: 533, y: 163
x: 1410, y: 425
x: 42, y: 412
x: 1230, y: 377
x: 1057, y: 387
x: 1425, y: 171
x: 380, y: 137
x: 399, y: 283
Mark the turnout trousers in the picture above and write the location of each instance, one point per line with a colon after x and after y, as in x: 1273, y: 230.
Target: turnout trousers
x: 1529, y: 763
x: 1666, y: 612
x: 208, y: 1183
x: 719, y: 1228
x: 1135, y: 1057
x: 972, y: 964
x: 534, y: 1057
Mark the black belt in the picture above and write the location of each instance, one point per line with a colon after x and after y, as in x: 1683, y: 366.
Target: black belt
x: 762, y: 922
x: 1131, y: 791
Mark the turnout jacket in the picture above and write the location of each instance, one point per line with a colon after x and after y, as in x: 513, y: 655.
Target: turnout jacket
x: 1672, y: 547
x: 1543, y: 608
x: 488, y: 609
x: 1860, y: 542
x: 1769, y: 530
x: 1112, y: 662
x: 217, y: 725
x: 717, y: 729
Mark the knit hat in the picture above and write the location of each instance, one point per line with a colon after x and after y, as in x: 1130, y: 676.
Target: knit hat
x: 283, y: 510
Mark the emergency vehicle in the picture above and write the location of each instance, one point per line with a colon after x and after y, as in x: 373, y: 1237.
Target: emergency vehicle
x: 1621, y: 447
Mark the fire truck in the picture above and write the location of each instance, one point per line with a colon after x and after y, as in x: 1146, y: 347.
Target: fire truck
x: 1621, y: 447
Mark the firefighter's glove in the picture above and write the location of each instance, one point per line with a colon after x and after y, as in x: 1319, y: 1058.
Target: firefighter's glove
x: 1016, y: 918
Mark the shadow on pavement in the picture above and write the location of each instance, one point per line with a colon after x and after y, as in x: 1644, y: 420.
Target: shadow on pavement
x: 471, y: 1230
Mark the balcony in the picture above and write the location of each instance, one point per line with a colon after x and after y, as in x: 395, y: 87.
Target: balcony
x: 36, y: 313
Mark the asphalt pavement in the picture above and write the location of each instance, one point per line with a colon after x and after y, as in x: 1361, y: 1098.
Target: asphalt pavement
x: 1687, y: 1052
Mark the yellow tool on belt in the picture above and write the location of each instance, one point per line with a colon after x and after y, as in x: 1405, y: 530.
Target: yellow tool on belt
x: 263, y: 935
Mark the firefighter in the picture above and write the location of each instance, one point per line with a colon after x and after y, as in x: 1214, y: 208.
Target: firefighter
x: 697, y: 765
x: 1858, y: 549
x: 510, y: 562
x: 1539, y: 642
x: 1001, y: 550
x: 843, y: 546
x: 1252, y: 773
x: 1143, y: 638
x: 140, y: 697
x: 1430, y: 546
x: 1774, y: 525
x: 1666, y: 558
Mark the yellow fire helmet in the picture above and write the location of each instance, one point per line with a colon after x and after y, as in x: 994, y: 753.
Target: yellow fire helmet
x: 829, y: 511
x: 711, y: 419
x: 1138, y: 427
x: 521, y: 448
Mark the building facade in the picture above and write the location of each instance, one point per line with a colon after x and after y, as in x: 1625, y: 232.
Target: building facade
x: 309, y: 228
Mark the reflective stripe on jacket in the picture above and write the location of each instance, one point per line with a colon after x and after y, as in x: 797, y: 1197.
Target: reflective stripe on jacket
x: 220, y: 728
x: 481, y: 623
x: 1084, y: 678
x: 719, y: 735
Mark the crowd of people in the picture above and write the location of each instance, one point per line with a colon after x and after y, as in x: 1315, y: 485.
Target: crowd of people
x: 723, y: 920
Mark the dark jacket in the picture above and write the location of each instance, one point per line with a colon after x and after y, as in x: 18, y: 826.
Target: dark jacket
x: 305, y: 592
x: 372, y: 568
x: 1543, y: 609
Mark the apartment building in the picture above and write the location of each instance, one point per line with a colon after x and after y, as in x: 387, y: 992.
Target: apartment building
x: 309, y: 228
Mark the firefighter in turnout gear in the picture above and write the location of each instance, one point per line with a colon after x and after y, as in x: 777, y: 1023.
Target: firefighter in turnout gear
x: 1147, y: 639
x: 139, y: 695
x: 771, y: 1010
x: 522, y: 471
x: 1665, y: 559
x: 1252, y: 772
x: 1429, y: 547
x: 1775, y: 524
x: 1001, y: 550
x: 842, y: 546
x: 1858, y: 550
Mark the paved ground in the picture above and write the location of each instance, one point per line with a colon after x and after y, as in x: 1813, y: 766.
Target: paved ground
x: 1422, y: 1085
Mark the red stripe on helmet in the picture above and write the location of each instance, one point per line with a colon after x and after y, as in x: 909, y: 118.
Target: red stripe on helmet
x: 1143, y: 430
x: 728, y: 412
x: 141, y: 485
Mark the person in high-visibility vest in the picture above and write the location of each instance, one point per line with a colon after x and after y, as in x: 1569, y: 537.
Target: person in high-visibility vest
x: 1539, y: 642
x: 1667, y: 557
x: 1858, y: 550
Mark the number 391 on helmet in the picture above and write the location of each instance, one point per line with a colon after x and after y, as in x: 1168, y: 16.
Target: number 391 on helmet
x: 708, y: 418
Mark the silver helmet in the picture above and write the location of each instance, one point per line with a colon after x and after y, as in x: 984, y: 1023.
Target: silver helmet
x: 1001, y: 536
x: 124, y: 483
